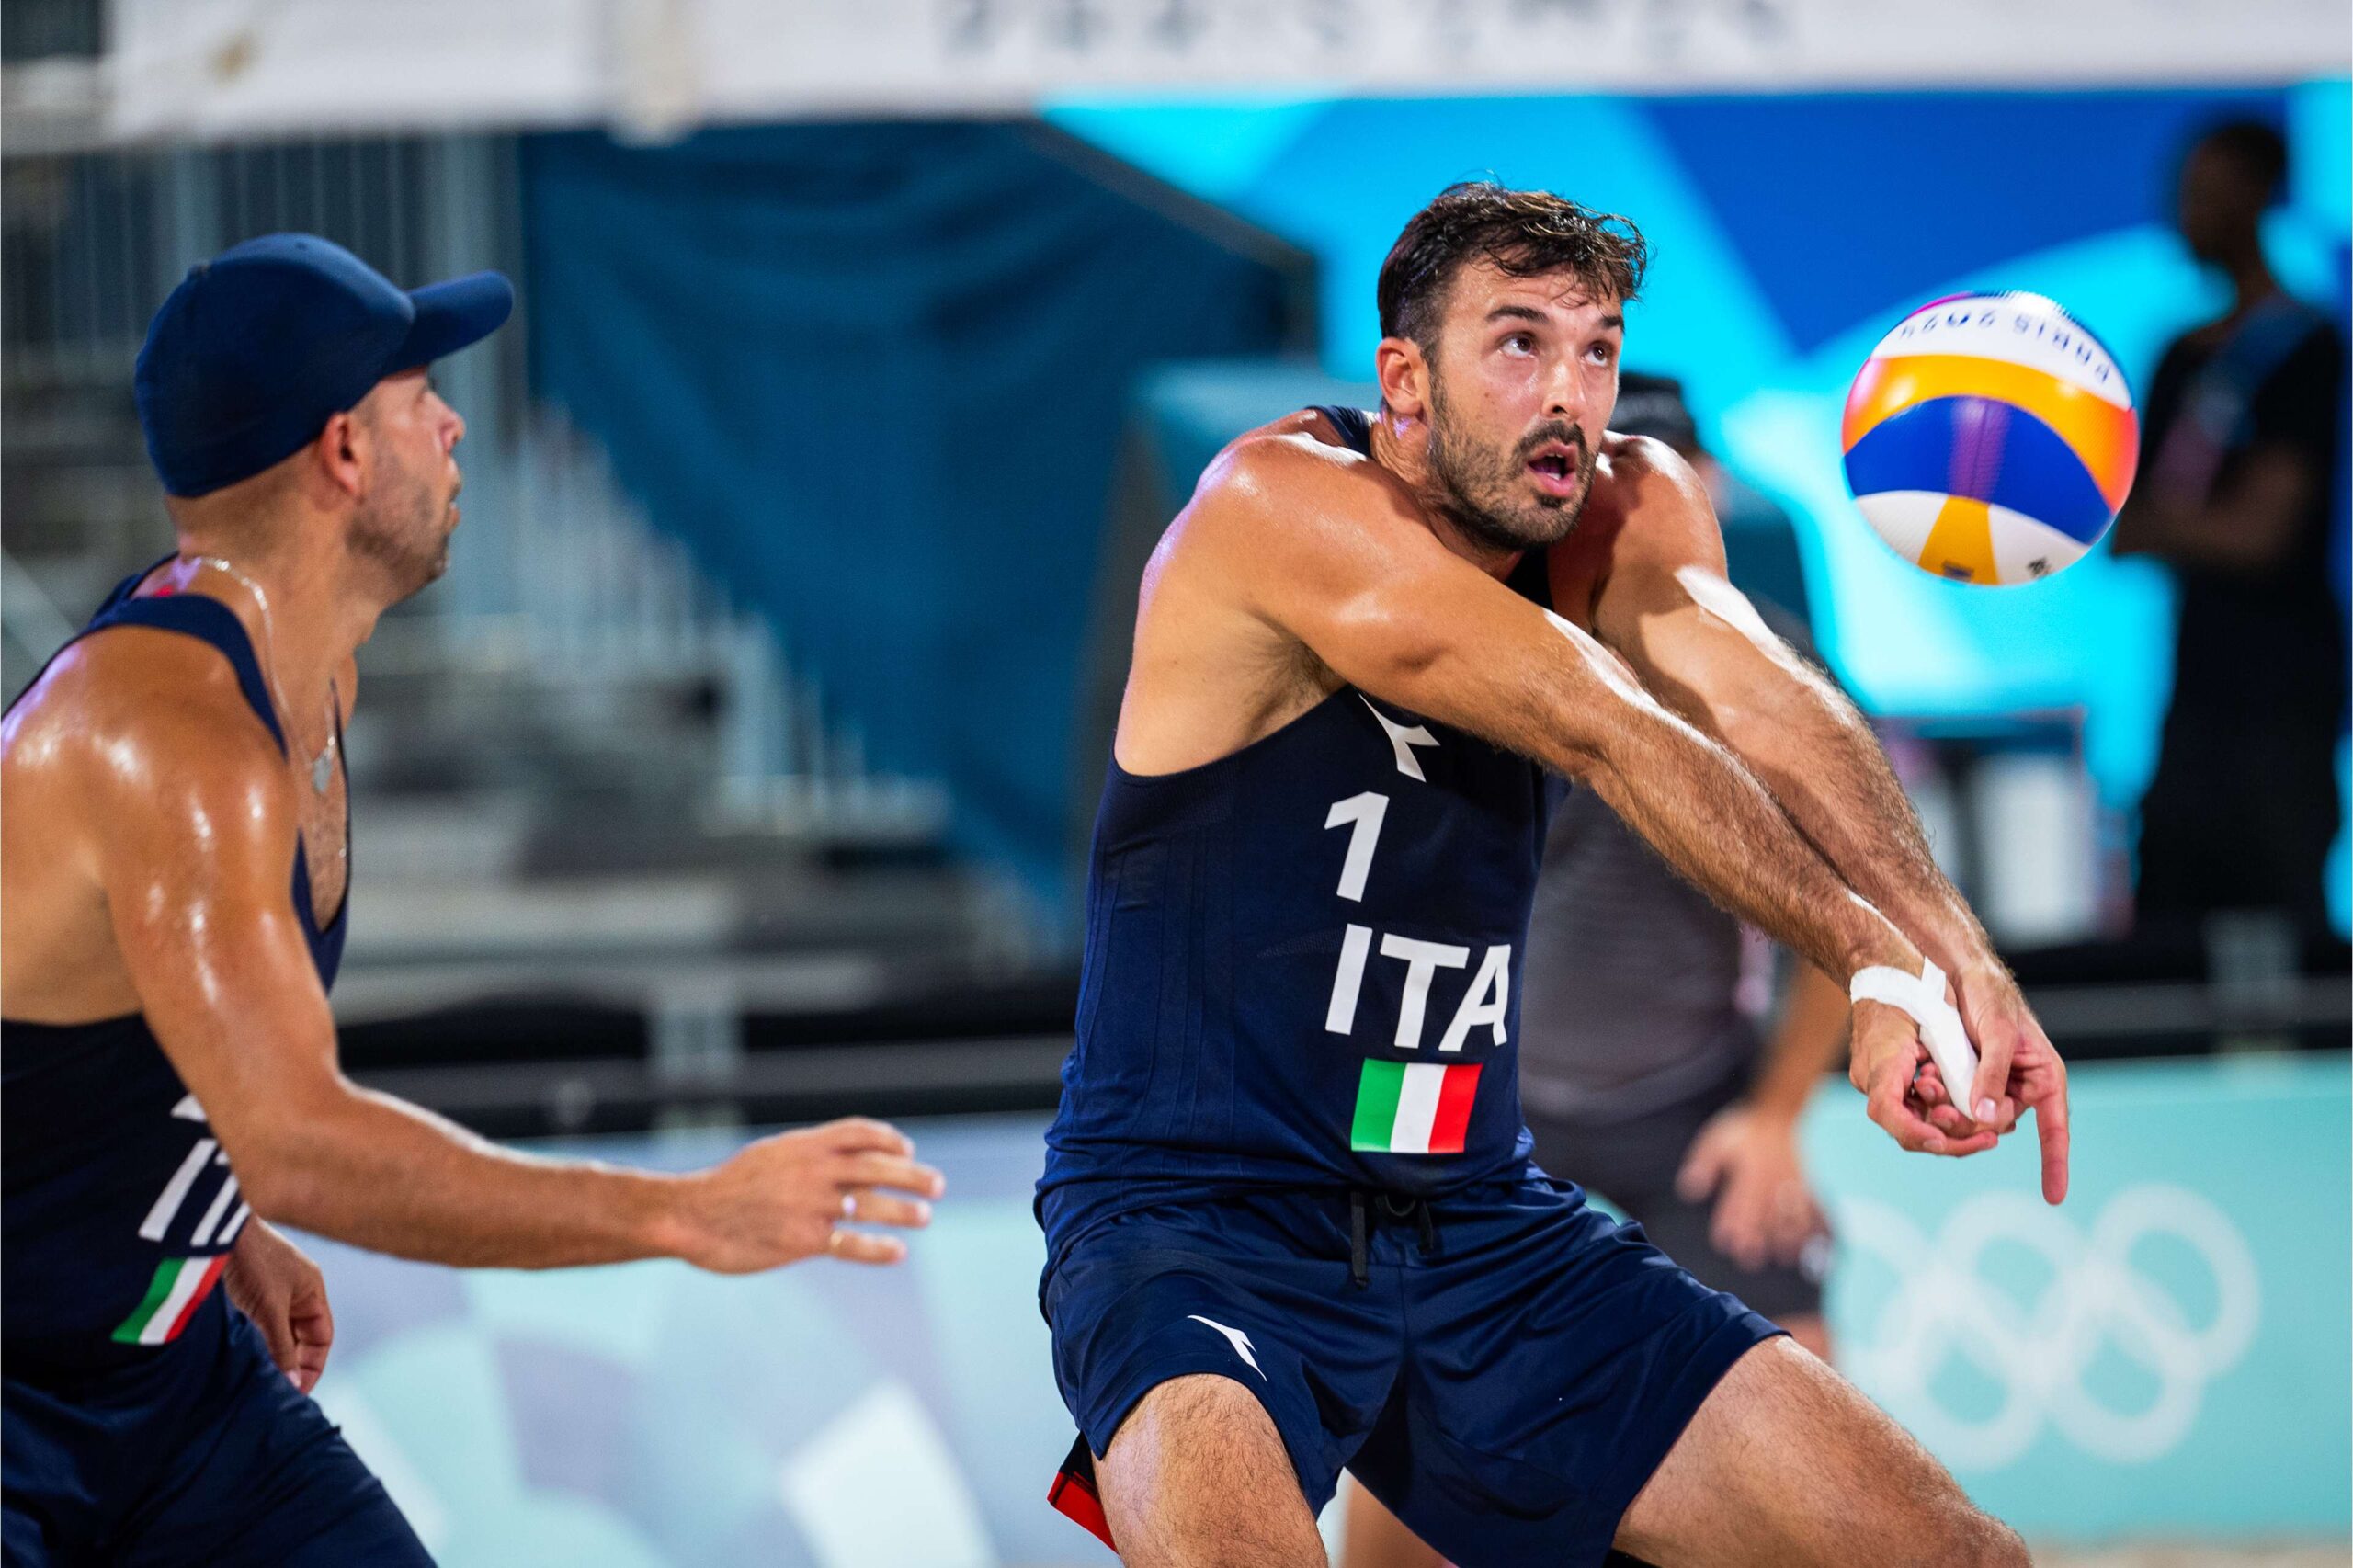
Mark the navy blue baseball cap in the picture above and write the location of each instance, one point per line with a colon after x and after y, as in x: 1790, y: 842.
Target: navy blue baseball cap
x: 257, y: 347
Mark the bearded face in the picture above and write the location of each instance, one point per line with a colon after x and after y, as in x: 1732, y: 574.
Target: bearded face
x: 403, y: 526
x: 1510, y: 494
x: 1522, y: 375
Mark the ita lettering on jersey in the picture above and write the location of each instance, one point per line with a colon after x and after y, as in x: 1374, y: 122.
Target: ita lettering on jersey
x: 1415, y: 1097
x: 198, y: 1208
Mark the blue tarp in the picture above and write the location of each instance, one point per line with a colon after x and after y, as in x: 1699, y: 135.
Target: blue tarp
x: 874, y: 376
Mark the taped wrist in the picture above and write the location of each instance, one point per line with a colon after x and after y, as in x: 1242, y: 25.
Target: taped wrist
x: 1922, y: 996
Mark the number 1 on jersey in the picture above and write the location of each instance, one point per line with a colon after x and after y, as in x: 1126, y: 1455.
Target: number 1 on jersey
x: 1362, y: 813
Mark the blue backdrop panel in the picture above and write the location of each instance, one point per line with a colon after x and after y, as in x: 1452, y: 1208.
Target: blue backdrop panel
x: 873, y: 375
x: 1790, y: 233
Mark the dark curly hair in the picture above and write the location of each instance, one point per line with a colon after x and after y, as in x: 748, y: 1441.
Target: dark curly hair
x: 1523, y: 232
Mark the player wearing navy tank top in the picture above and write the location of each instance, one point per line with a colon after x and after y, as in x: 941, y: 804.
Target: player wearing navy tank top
x: 173, y: 879
x: 1291, y: 1220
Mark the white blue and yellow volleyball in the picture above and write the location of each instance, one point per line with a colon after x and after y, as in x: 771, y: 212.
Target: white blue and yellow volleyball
x: 1990, y: 438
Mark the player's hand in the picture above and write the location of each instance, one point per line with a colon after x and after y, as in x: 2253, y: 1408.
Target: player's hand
x: 1889, y: 1061
x: 1765, y: 1212
x: 785, y: 1198
x: 273, y: 1282
x: 2017, y: 1067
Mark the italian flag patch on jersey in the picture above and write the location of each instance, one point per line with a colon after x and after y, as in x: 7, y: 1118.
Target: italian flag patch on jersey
x: 1418, y: 1107
x: 178, y: 1289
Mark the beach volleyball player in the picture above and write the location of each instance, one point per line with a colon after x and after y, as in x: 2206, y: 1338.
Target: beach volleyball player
x: 172, y: 893
x: 1292, y: 1221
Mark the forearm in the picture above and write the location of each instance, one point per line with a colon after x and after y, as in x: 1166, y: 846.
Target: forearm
x: 378, y: 1172
x: 1692, y: 800
x: 1805, y: 1045
x: 1818, y: 756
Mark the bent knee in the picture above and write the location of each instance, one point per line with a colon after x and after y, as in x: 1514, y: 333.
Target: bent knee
x: 1968, y: 1537
x: 1198, y: 1477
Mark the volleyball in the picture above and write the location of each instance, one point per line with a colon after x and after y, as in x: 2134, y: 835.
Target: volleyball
x: 1990, y: 439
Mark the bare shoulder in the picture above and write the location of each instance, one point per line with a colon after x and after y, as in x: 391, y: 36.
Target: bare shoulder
x: 125, y: 719
x: 1294, y: 484
x: 1299, y: 452
x: 1657, y: 506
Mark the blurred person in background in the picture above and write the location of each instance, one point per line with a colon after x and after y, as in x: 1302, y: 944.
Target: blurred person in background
x: 174, y: 875
x: 1643, y: 1073
x: 2244, y: 439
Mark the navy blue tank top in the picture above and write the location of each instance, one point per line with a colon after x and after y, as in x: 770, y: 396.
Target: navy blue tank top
x: 1302, y: 963
x: 120, y: 1206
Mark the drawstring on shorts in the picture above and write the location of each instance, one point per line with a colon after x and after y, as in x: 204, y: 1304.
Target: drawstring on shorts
x: 1392, y: 1208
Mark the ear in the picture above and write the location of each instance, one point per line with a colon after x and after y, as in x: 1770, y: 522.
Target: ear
x: 1405, y: 378
x: 341, y: 454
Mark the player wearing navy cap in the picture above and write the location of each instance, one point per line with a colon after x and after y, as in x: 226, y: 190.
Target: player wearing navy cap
x: 1292, y: 1221
x: 173, y: 887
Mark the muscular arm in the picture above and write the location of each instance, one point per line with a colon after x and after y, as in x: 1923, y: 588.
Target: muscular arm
x: 1697, y: 644
x: 1339, y: 562
x: 198, y: 865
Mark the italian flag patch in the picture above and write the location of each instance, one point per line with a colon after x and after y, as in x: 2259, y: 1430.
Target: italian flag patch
x: 178, y: 1289
x: 1419, y: 1108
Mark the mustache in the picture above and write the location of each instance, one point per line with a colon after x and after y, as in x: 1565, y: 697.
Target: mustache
x: 1565, y: 434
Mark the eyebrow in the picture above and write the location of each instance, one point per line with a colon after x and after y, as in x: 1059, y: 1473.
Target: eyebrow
x: 1529, y: 313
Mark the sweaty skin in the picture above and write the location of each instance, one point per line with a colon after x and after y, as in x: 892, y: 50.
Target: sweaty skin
x: 1301, y: 566
x: 146, y: 865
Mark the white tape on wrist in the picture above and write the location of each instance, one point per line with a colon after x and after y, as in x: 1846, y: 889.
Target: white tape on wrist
x: 1923, y: 996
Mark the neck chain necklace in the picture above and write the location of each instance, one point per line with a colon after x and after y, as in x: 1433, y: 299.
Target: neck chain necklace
x: 323, y: 763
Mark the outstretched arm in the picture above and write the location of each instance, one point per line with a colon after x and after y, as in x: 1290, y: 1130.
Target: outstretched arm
x: 1336, y: 557
x: 1697, y: 642
x: 198, y: 867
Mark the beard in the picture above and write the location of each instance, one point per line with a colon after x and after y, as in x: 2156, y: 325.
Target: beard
x: 1487, y: 493
x: 404, y: 536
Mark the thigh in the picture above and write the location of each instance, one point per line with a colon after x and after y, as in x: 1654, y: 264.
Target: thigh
x: 1557, y: 1357
x: 1198, y: 1475
x: 1786, y: 1462
x: 260, y: 1476
x: 1234, y: 1291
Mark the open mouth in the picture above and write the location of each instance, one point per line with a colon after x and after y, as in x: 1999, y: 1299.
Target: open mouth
x: 1555, y: 471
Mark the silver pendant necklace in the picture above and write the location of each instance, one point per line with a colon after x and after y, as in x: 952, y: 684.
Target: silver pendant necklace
x: 323, y: 763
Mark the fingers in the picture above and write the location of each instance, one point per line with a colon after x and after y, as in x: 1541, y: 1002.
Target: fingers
x: 2051, y: 1127
x: 1738, y: 1229
x: 1890, y: 1105
x: 310, y: 1362
x: 1798, y: 1219
x: 873, y: 1169
x: 857, y: 1247
x: 882, y: 1208
x: 1702, y: 1168
x: 284, y: 1353
x: 1997, y: 1031
x: 852, y: 1134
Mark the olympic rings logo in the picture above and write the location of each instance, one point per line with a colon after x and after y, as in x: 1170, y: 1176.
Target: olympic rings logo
x: 2036, y: 1354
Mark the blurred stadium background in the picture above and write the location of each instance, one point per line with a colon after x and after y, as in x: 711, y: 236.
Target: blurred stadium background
x: 740, y: 770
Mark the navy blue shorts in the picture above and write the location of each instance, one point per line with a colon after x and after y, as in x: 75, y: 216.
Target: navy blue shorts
x: 1505, y: 1378
x: 203, y: 1454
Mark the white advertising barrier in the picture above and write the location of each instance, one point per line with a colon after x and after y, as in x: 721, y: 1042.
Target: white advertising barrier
x: 2094, y: 1300
x: 221, y: 68
x: 2165, y: 1356
x: 2166, y: 1352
